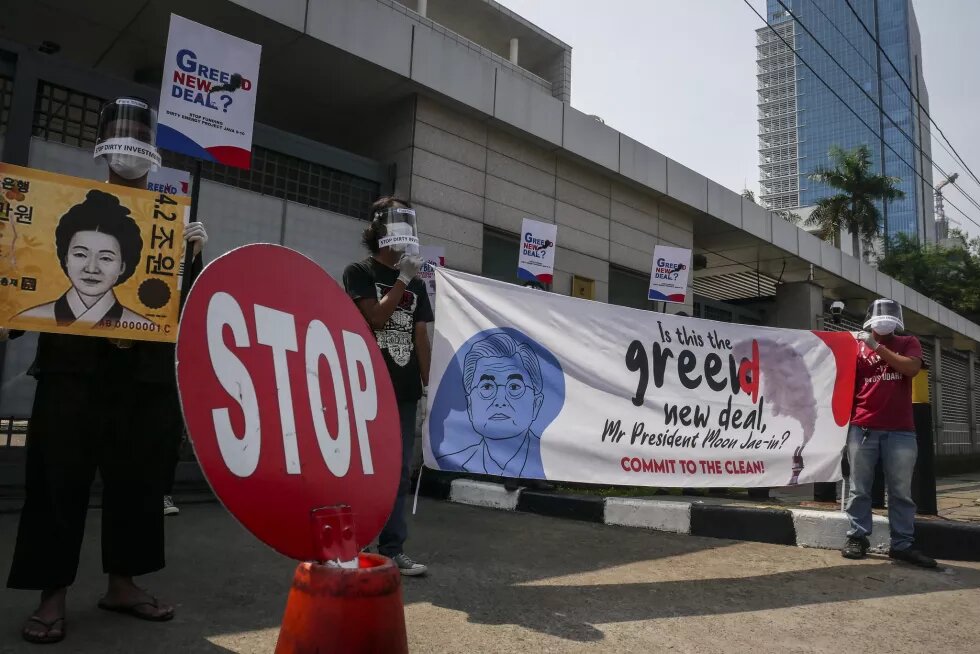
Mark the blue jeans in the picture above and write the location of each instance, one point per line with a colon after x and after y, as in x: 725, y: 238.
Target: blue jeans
x: 897, y: 450
x: 392, y: 538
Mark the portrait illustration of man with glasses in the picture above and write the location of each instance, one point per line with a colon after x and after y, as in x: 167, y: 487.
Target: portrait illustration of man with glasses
x: 503, y: 386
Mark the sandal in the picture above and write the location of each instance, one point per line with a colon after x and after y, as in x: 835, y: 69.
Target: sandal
x: 138, y: 610
x: 47, y: 638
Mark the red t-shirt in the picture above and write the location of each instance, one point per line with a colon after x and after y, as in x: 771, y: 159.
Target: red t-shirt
x: 883, y: 396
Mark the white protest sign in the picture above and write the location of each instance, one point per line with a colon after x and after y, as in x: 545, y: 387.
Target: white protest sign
x: 169, y: 181
x: 613, y: 395
x: 433, y: 256
x: 671, y: 269
x: 537, y: 258
x: 207, y: 100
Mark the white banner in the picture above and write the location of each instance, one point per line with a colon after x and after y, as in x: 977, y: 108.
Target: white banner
x: 671, y: 267
x: 539, y: 385
x: 207, y: 101
x: 537, y: 258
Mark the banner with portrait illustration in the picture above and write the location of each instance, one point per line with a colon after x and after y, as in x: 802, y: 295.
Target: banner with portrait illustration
x: 543, y: 386
x: 88, y: 258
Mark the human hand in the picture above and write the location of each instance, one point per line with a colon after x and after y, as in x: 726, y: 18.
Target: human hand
x: 197, y: 236
x: 868, y: 339
x: 408, y: 268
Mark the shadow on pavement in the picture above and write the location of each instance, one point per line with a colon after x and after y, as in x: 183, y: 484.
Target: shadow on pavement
x: 499, y: 568
x: 500, y: 579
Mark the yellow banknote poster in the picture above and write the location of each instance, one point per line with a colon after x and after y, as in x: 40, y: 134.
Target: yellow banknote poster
x: 89, y: 258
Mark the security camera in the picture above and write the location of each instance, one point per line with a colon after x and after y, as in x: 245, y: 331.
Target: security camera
x: 836, y: 311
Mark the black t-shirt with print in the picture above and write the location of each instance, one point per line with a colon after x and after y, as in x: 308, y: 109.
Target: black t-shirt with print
x: 372, y: 279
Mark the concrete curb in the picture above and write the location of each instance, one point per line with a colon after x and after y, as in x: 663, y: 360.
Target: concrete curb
x: 942, y: 539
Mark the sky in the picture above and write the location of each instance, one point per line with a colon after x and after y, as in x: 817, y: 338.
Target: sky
x: 680, y: 76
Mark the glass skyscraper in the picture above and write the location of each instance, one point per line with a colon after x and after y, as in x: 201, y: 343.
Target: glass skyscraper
x: 800, y: 119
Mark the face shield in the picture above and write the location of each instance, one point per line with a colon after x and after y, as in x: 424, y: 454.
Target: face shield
x: 127, y: 138
x: 401, y: 231
x: 884, y: 317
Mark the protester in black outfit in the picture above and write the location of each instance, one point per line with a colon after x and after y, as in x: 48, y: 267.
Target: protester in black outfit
x: 101, y: 404
x: 395, y: 303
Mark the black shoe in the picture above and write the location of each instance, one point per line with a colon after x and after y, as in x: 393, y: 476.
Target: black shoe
x: 855, y: 547
x: 511, y: 485
x: 913, y: 556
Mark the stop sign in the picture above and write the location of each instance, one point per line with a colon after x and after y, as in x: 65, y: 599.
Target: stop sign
x: 287, y: 398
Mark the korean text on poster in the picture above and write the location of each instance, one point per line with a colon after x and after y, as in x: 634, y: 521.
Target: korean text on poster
x: 634, y: 398
x: 671, y: 269
x: 207, y: 100
x: 171, y: 181
x: 88, y: 258
x: 537, y: 258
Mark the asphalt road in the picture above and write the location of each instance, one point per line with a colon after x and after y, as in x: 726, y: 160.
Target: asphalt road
x: 507, y: 582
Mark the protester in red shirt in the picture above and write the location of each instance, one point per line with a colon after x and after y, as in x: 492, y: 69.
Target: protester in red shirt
x: 882, y: 427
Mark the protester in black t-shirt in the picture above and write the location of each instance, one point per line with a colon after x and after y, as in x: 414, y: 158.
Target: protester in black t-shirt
x: 395, y: 304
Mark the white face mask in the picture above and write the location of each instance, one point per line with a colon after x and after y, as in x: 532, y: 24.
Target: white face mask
x: 129, y: 166
x: 884, y: 326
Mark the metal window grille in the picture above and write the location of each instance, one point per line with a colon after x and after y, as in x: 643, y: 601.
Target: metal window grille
x: 66, y: 116
x: 976, y: 405
x: 72, y: 117
x: 6, y: 96
x: 955, y: 383
x: 290, y: 178
x: 714, y: 313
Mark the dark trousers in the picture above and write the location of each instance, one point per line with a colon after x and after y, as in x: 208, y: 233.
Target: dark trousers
x: 395, y: 532
x: 170, y: 460
x: 80, y: 425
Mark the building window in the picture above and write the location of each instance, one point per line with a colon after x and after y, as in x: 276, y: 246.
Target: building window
x: 629, y: 288
x: 68, y: 116
x: 6, y: 95
x: 290, y: 178
x: 500, y: 255
x: 714, y: 313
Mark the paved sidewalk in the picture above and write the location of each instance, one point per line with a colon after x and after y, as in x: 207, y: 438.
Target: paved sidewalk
x: 506, y: 582
x: 958, y: 497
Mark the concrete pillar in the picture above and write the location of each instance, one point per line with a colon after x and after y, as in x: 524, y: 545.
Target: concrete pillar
x: 513, y: 51
x: 798, y: 305
x: 423, y: 7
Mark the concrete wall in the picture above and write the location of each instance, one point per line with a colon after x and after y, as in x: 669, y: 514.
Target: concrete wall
x: 469, y: 174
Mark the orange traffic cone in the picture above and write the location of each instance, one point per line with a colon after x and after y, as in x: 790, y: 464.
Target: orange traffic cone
x: 345, y: 610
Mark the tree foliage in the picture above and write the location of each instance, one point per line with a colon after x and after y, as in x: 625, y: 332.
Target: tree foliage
x: 853, y: 208
x: 950, y: 275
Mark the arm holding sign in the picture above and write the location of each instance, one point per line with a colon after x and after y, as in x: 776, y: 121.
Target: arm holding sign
x: 359, y: 284
x: 197, y: 236
x: 905, y: 365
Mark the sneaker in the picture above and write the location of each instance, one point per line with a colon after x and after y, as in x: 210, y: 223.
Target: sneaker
x: 169, y: 508
x: 913, y: 556
x: 408, y: 567
x: 855, y: 547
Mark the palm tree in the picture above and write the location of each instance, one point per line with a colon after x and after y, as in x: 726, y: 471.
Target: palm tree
x: 854, y: 207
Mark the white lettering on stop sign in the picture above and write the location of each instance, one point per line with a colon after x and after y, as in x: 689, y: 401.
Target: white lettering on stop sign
x: 277, y: 330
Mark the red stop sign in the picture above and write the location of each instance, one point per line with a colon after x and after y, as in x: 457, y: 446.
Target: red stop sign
x: 286, y: 397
